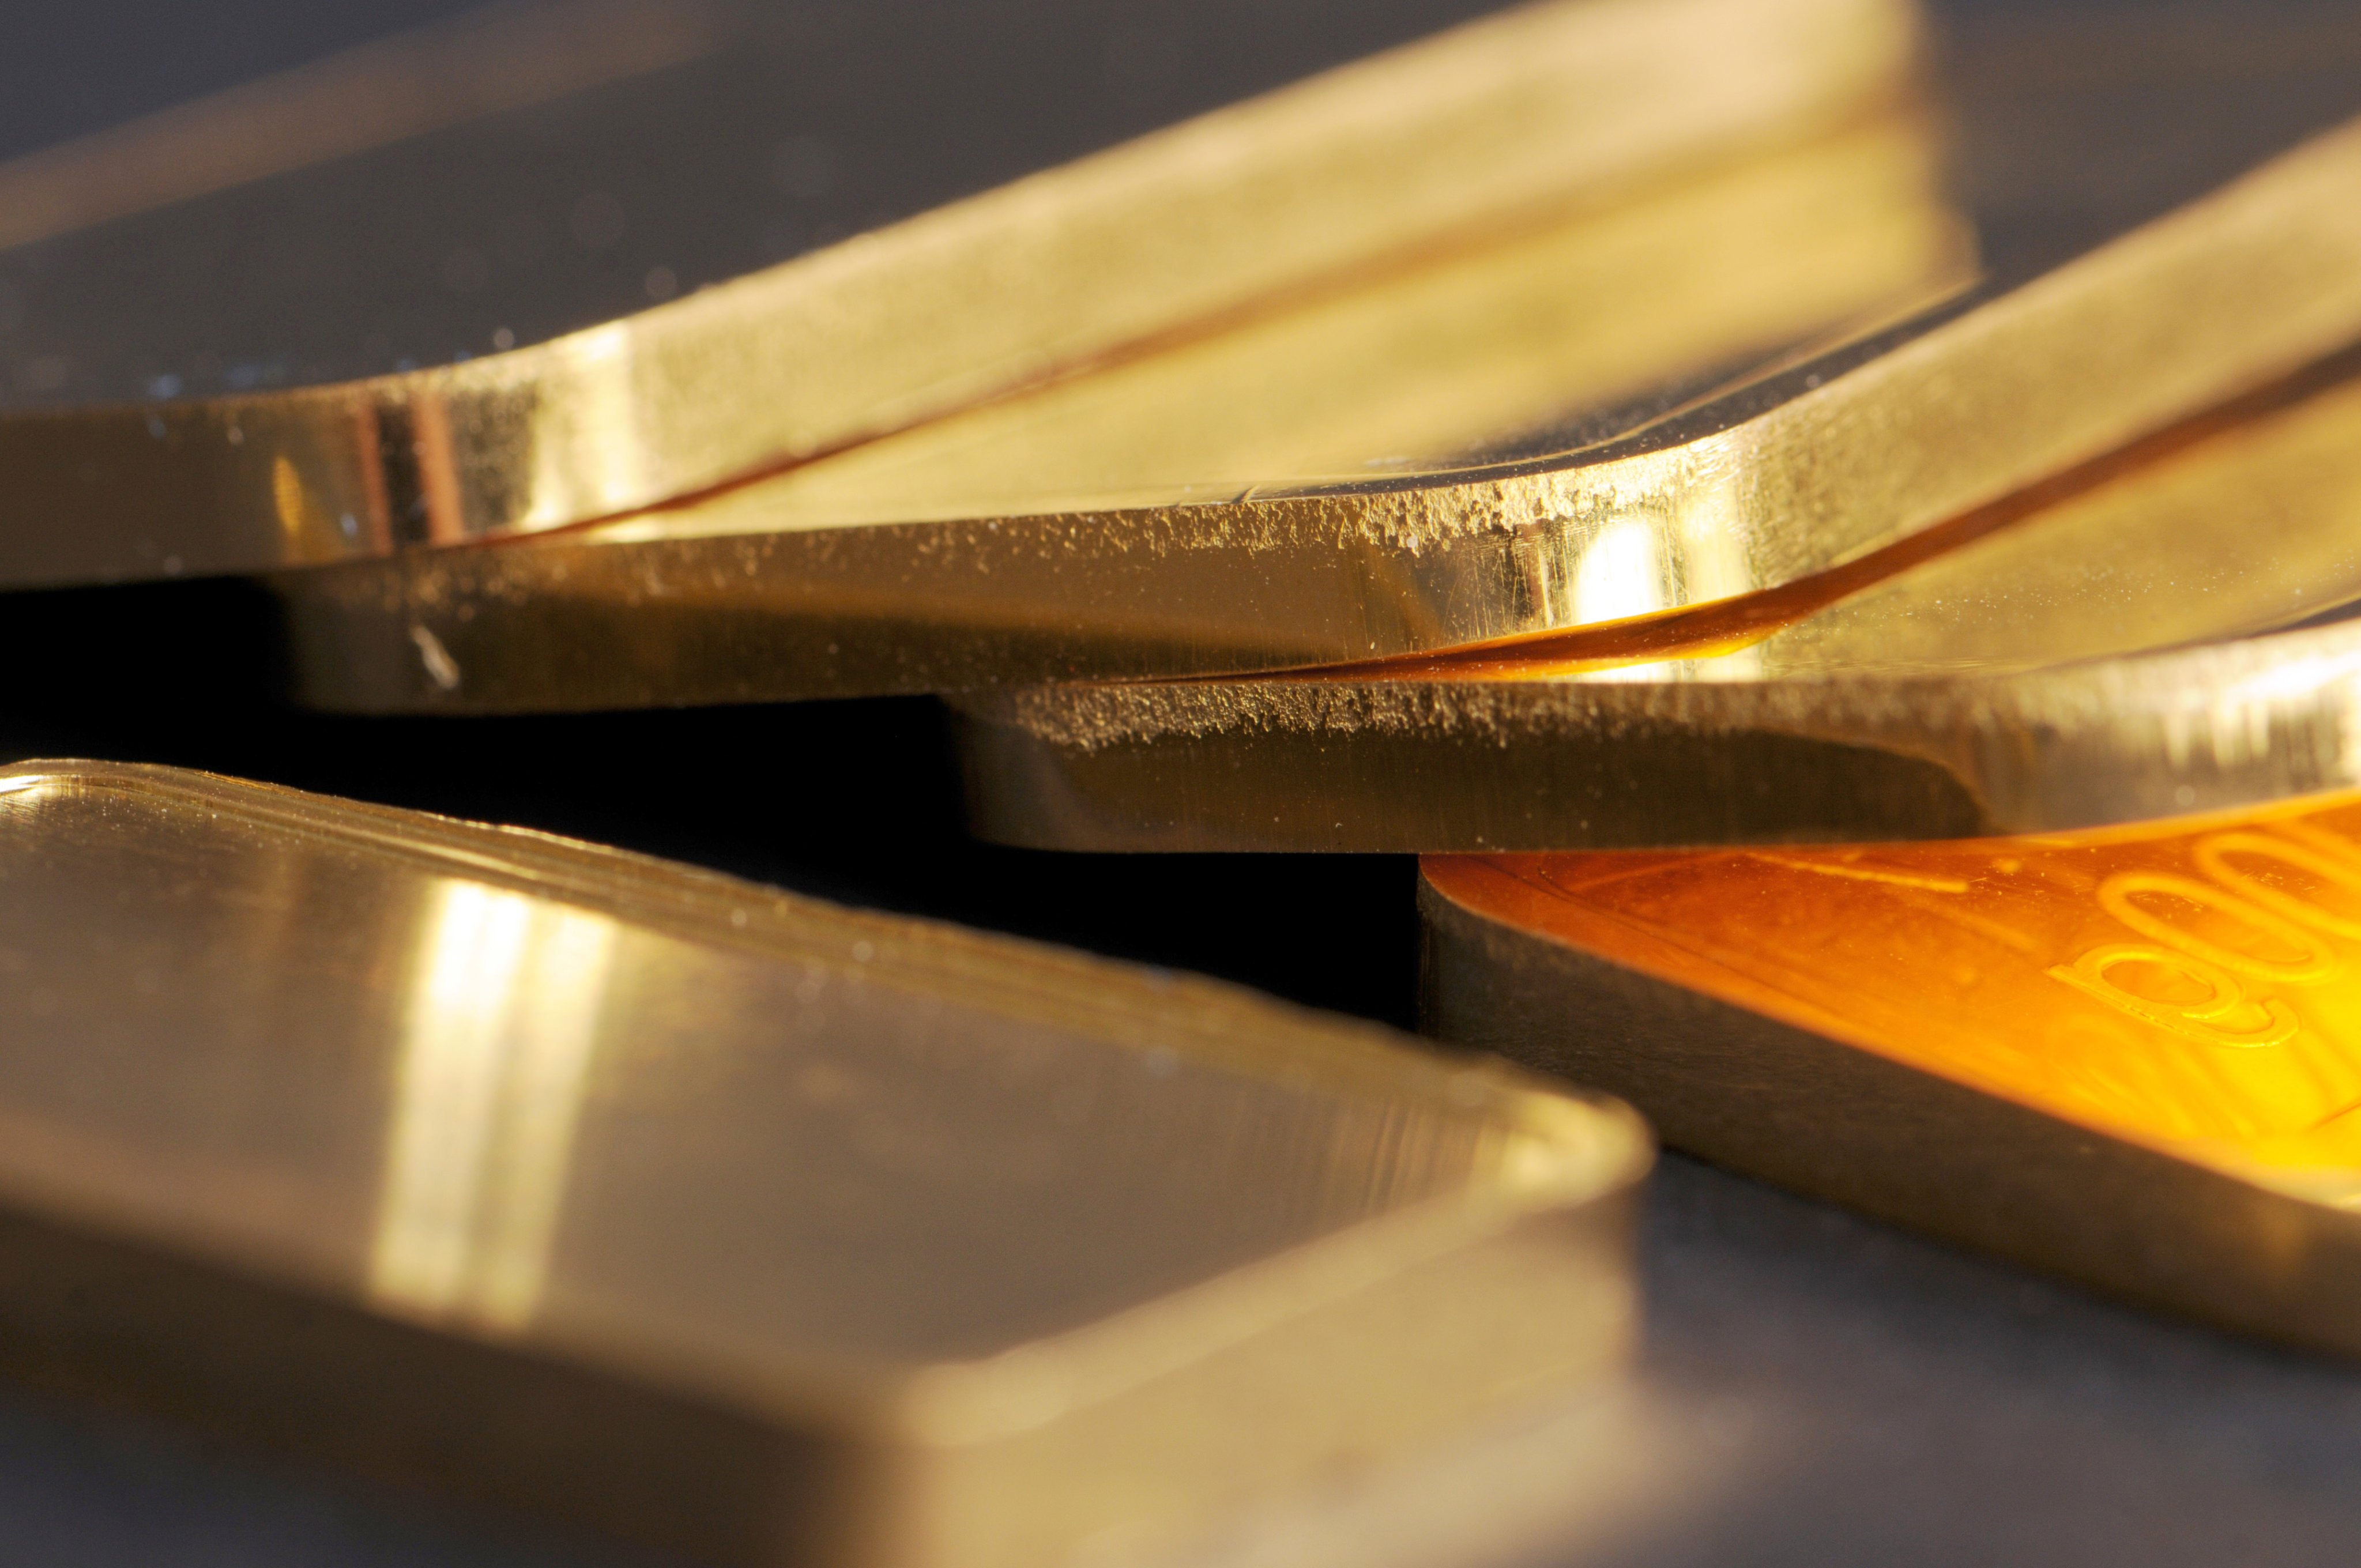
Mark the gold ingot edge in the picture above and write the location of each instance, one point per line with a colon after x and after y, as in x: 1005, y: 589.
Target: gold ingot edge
x: 811, y: 584
x: 2208, y: 306
x: 2047, y: 674
x: 1053, y: 272
x: 1478, y: 766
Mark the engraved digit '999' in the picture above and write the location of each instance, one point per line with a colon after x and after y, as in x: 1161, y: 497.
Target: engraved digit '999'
x: 2224, y: 1015
x: 2207, y: 1020
x: 2316, y: 961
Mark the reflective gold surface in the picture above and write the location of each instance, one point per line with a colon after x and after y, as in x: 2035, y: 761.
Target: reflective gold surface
x: 1814, y: 470
x: 1983, y: 689
x: 726, y: 1218
x: 2132, y: 1054
x: 1564, y: 101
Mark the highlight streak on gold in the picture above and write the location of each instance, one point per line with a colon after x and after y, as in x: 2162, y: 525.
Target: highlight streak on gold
x: 1864, y: 873
x: 495, y: 1053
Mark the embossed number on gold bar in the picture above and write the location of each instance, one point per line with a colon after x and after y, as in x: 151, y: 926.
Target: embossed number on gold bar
x: 2132, y: 1056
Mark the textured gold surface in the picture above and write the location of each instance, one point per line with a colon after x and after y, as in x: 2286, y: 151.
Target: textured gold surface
x: 719, y: 1216
x: 1957, y: 421
x: 923, y: 317
x: 2132, y: 1056
x: 2031, y: 678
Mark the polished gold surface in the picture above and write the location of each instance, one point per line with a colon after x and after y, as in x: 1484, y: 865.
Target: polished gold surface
x: 1959, y: 416
x: 726, y: 1218
x: 857, y: 574
x: 2130, y: 1054
x: 1557, y: 101
x: 2043, y: 674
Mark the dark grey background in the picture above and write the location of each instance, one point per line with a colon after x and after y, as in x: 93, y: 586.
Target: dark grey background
x: 794, y: 123
x: 1817, y: 1390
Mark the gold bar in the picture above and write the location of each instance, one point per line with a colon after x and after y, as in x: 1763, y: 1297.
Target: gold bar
x: 1954, y: 418
x: 1566, y: 101
x: 2131, y: 1057
x: 733, y: 1220
x: 2063, y: 669
x: 882, y: 569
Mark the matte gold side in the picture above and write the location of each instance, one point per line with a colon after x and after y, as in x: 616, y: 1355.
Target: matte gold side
x: 1557, y: 101
x: 2129, y: 1056
x: 729, y: 1220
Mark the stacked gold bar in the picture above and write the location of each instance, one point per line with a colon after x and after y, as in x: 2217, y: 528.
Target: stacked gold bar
x: 1865, y: 712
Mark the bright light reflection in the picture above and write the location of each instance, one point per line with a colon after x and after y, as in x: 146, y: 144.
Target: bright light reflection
x: 589, y: 456
x: 1621, y: 575
x: 496, y: 1046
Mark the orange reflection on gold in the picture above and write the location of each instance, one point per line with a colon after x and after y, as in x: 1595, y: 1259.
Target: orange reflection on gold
x: 2192, y: 985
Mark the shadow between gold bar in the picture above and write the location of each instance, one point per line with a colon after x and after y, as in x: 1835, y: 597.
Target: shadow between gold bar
x: 2074, y: 666
x: 733, y: 1220
x: 2131, y: 1057
x: 1570, y: 100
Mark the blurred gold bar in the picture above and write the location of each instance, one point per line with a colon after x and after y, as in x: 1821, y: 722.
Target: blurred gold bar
x: 731, y: 1221
x: 2062, y: 669
x: 2132, y: 1057
x: 1566, y: 101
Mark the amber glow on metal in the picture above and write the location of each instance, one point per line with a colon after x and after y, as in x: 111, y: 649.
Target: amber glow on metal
x: 2195, y: 987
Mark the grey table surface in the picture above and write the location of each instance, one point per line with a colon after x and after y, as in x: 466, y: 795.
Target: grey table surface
x: 1815, y: 1388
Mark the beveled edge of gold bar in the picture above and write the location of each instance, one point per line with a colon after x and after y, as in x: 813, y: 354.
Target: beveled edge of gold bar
x: 985, y: 1463
x: 1794, y: 1107
x: 888, y: 329
x: 1443, y: 766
